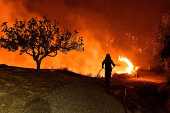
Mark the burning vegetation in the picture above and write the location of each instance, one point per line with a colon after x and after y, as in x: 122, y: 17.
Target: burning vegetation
x: 104, y: 35
x: 109, y: 33
x: 131, y: 69
x: 101, y: 35
x: 139, y: 46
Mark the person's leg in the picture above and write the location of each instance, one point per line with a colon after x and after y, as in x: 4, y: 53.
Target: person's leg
x: 107, y: 80
x: 108, y: 83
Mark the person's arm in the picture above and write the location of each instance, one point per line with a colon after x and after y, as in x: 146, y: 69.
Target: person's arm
x: 113, y: 64
x: 103, y: 63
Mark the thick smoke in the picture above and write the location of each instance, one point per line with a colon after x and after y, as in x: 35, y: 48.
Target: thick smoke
x: 11, y: 10
x: 117, y: 27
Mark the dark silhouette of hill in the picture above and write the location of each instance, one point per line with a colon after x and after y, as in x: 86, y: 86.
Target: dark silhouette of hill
x: 6, y: 66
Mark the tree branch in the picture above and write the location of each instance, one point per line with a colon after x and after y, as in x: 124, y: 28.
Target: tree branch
x: 38, y: 50
x: 29, y: 53
x: 65, y: 52
x: 44, y: 56
x: 33, y: 52
x: 52, y: 55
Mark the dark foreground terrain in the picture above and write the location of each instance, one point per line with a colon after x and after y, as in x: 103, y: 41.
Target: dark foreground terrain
x: 59, y: 90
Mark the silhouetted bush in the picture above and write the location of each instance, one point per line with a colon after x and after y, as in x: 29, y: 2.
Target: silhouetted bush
x: 159, y: 69
x: 65, y: 68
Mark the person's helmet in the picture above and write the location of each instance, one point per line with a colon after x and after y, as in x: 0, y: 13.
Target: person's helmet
x: 108, y: 56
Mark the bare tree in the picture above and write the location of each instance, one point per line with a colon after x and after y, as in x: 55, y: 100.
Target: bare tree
x: 39, y: 39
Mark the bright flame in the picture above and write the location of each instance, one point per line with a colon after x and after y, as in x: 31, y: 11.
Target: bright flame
x: 130, y: 69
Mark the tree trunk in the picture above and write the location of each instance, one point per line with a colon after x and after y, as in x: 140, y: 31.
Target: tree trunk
x: 38, y: 68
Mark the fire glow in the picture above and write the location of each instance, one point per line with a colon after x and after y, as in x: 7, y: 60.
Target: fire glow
x: 130, y: 69
x: 87, y: 62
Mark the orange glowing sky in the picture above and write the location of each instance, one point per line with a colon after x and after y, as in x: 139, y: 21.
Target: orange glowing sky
x: 121, y: 28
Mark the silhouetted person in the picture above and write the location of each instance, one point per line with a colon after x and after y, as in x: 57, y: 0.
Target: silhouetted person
x: 108, y: 68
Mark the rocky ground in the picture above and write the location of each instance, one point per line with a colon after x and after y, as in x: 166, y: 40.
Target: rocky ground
x: 20, y: 89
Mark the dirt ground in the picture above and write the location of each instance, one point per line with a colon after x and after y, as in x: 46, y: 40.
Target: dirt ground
x: 19, y: 88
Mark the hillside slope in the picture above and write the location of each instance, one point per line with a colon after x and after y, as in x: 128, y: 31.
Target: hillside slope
x: 21, y: 90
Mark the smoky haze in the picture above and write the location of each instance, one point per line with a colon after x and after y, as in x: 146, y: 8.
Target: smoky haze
x: 118, y: 27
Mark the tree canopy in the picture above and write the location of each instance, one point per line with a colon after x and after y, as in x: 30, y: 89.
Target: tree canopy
x: 39, y: 38
x: 162, y: 35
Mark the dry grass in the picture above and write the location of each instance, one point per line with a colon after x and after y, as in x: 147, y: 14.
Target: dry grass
x: 20, y: 87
